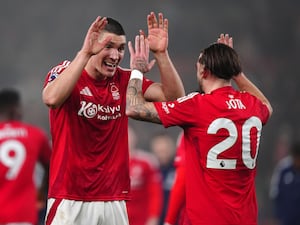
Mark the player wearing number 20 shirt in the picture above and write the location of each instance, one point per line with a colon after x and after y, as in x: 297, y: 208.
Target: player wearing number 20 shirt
x: 221, y: 141
x: 222, y: 130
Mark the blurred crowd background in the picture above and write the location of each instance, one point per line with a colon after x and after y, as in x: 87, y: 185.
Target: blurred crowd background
x: 36, y: 35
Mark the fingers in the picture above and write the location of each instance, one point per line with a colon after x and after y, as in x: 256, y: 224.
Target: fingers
x: 142, y: 32
x: 163, y: 23
x: 221, y: 39
x: 139, y: 55
x: 225, y: 39
x: 151, y: 64
x: 137, y: 44
x: 152, y: 21
x: 141, y: 45
x: 131, y: 51
x: 160, y: 20
x: 149, y: 21
x: 98, y: 24
x: 230, y: 42
x: 146, y: 46
x: 166, y: 24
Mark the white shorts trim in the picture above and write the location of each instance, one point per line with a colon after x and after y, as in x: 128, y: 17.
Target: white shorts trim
x: 71, y: 212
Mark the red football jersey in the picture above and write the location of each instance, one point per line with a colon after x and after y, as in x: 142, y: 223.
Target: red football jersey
x: 146, y: 188
x: 222, y: 135
x: 176, y: 206
x: 90, y: 158
x: 21, y: 147
x: 180, y: 152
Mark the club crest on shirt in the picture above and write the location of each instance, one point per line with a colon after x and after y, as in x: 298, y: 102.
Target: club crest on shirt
x: 114, y: 91
x: 171, y: 105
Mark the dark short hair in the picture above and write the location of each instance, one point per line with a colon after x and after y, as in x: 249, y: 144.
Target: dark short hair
x: 113, y: 26
x: 9, y: 98
x: 221, y: 60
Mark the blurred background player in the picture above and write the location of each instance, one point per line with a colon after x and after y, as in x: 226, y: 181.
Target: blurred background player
x: 285, y: 188
x: 144, y: 207
x: 163, y: 146
x: 22, y: 146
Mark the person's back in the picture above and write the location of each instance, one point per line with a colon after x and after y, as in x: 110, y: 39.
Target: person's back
x: 222, y: 130
x: 285, y: 186
x: 225, y: 138
x: 21, y: 146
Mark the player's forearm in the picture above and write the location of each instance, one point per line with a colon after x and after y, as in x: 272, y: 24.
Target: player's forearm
x: 244, y: 84
x: 136, y: 106
x: 57, y: 91
x: 171, y: 82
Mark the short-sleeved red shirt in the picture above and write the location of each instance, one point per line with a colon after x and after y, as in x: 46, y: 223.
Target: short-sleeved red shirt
x: 222, y: 133
x: 22, y: 146
x: 89, y: 131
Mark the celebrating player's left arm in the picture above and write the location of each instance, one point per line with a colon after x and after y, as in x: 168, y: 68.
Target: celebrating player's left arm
x: 136, y: 105
x: 171, y: 86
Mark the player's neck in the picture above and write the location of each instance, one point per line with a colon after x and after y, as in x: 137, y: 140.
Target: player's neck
x: 93, y: 73
x: 214, y: 84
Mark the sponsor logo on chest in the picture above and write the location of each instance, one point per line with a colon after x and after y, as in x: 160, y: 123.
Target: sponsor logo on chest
x: 90, y: 107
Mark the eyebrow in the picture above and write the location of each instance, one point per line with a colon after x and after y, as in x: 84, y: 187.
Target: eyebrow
x: 114, y: 43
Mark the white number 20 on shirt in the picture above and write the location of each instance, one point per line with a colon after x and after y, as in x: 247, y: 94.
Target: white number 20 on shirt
x: 215, y: 162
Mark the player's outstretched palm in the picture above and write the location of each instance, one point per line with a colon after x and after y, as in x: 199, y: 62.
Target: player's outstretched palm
x: 157, y: 32
x: 92, y: 43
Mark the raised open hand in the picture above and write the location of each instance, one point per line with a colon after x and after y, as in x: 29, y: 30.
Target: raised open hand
x: 139, y: 57
x: 92, y: 43
x: 157, y: 32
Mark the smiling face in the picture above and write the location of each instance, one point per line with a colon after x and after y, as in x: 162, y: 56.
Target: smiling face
x: 104, y: 64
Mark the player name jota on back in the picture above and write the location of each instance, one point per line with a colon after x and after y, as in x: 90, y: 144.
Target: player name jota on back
x: 234, y: 103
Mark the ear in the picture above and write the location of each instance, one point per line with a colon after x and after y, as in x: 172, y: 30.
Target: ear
x: 206, y: 72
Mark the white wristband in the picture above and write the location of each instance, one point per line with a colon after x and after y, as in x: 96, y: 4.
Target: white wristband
x: 136, y: 74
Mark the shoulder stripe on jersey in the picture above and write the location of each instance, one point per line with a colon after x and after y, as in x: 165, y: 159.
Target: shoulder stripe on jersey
x: 58, y: 69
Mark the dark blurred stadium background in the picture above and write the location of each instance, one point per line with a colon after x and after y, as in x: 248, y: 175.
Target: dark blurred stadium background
x: 36, y: 35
